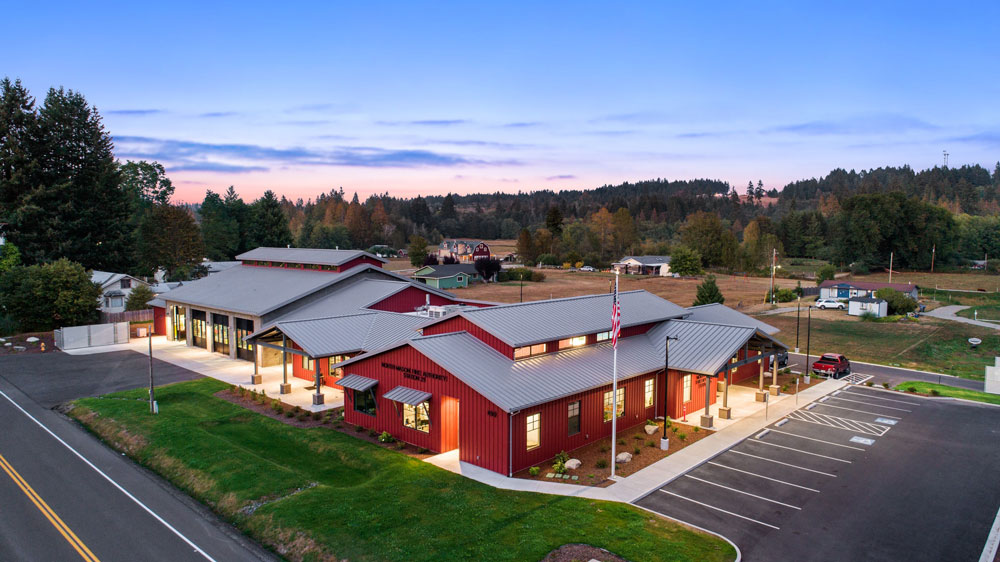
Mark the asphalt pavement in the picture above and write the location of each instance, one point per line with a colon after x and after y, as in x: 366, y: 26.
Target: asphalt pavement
x: 66, y: 496
x: 891, y: 375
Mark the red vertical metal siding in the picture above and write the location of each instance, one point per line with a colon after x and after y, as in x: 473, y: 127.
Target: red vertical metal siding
x: 159, y: 320
x: 459, y: 324
x: 697, y: 402
x: 358, y: 261
x: 408, y: 300
x: 635, y: 330
x: 750, y: 370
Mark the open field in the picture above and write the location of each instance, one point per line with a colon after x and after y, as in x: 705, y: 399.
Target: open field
x: 929, y: 344
x: 739, y: 292
x: 983, y: 312
x: 942, y: 390
x: 972, y: 281
x: 318, y: 494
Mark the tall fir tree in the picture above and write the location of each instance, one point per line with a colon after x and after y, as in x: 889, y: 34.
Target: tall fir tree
x: 18, y: 129
x: 708, y: 292
x: 269, y: 225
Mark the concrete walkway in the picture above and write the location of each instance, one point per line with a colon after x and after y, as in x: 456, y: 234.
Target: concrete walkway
x: 948, y: 313
x: 652, y: 477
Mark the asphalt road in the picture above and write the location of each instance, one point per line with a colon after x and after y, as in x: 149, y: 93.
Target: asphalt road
x: 864, y: 475
x: 891, y: 375
x: 65, y: 496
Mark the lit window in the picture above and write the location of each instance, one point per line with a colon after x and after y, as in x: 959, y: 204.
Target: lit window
x: 338, y: 371
x: 609, y: 404
x: 648, y: 388
x: 574, y: 417
x: 417, y: 417
x: 529, y: 351
x: 604, y: 336
x: 573, y: 342
x: 307, y: 363
x: 687, y: 388
x: 533, y: 432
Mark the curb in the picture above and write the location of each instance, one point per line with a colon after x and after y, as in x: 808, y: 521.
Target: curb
x: 739, y: 554
x: 950, y: 398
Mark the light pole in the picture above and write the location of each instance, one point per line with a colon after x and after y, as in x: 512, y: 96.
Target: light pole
x: 666, y: 385
x: 798, y: 315
x: 808, y: 339
x: 774, y: 258
x: 152, y: 397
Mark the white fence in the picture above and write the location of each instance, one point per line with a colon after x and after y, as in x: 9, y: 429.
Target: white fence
x: 94, y: 335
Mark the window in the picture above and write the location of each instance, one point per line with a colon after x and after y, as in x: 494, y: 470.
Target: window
x: 648, y: 392
x: 307, y: 363
x: 604, y: 336
x: 417, y: 417
x: 574, y: 417
x: 116, y: 301
x: 339, y: 371
x: 126, y: 284
x: 533, y: 432
x: 572, y: 342
x: 687, y: 388
x: 364, y: 402
x: 522, y: 352
x: 608, y: 404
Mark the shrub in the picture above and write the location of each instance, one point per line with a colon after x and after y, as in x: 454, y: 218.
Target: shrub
x: 636, y: 451
x: 682, y: 436
x: 869, y: 383
x: 696, y: 429
x: 534, y: 471
x: 782, y: 295
x: 423, y: 450
x: 825, y: 273
x: 548, y: 259
x: 563, y: 456
x: 784, y: 387
x: 372, y: 433
x: 297, y: 409
x: 277, y: 406
x: 668, y: 422
x: 674, y: 429
x: 303, y: 416
x: 385, y: 437
x: 601, y: 463
x: 591, y: 475
x: 650, y: 422
x: 338, y: 425
x: 885, y: 385
x: 621, y: 441
x: 935, y: 392
x: 317, y: 415
x: 868, y: 316
x: 559, y: 467
x: 650, y: 444
x: 897, y: 302
x: 604, y: 448
x: 911, y: 389
x: 359, y: 428
x: 289, y: 413
x: 638, y: 437
x: 685, y: 261
x: 400, y: 445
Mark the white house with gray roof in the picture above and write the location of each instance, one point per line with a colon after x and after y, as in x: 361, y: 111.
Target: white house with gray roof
x: 643, y: 265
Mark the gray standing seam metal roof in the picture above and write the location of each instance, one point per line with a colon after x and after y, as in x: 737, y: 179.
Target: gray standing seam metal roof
x: 349, y: 299
x: 357, y: 382
x: 407, y: 396
x: 448, y: 270
x: 514, y: 385
x: 647, y: 260
x: 534, y: 322
x: 716, y: 313
x: 313, y: 256
x: 338, y: 335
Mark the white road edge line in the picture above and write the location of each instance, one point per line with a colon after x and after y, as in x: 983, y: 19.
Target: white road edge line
x: 862, y: 412
x: 108, y: 478
x: 870, y: 404
x: 820, y: 440
x: 784, y: 463
x: 866, y: 395
x: 741, y: 492
x: 992, y: 542
x: 797, y: 450
x: 761, y: 476
x: 722, y: 510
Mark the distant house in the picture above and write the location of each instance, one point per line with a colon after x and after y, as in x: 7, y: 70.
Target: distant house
x: 643, y: 265
x: 860, y: 305
x: 447, y: 276
x: 461, y: 250
x: 115, y: 289
x: 217, y: 266
x: 834, y: 289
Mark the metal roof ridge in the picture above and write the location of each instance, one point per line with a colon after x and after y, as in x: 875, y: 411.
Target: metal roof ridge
x: 561, y: 299
x: 331, y: 317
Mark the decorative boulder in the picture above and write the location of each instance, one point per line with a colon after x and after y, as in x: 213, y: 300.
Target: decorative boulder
x: 19, y: 348
x: 623, y: 458
x: 8, y: 344
x: 573, y: 464
x: 651, y: 429
x: 32, y: 339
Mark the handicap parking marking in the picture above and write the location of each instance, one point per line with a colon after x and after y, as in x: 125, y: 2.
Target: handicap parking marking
x: 719, y: 509
x: 747, y: 472
x: 870, y: 404
x: 741, y: 491
x: 885, y: 421
x: 839, y: 423
x: 873, y: 397
x: 857, y: 378
x: 783, y: 463
x: 819, y: 440
x: 796, y: 450
x: 862, y: 440
x: 859, y: 411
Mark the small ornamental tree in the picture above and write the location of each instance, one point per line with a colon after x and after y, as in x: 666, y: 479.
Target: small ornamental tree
x: 708, y: 292
x: 825, y: 273
x: 685, y: 261
x: 52, y: 295
x: 896, y: 301
x: 417, y: 250
x: 138, y: 298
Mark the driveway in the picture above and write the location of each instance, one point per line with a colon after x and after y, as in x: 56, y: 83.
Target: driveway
x: 948, y: 313
x: 879, y: 374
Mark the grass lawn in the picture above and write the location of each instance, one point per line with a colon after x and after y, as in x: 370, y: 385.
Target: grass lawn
x: 802, y: 265
x: 933, y: 345
x: 986, y: 312
x: 963, y: 298
x: 965, y: 394
x: 329, y: 496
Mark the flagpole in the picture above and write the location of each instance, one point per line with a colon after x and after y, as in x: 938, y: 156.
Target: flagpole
x: 614, y: 386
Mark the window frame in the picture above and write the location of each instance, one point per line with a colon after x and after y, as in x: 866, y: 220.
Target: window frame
x: 649, y: 392
x: 416, y: 426
x: 533, y: 425
x: 609, y: 403
x: 368, y: 396
x: 603, y: 336
x: 308, y: 363
x: 573, y: 414
x: 688, y: 390
x: 570, y: 343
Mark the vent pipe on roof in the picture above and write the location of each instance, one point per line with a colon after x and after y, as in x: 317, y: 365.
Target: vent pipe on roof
x: 427, y: 298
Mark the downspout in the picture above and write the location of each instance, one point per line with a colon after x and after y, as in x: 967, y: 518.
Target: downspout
x: 510, y: 444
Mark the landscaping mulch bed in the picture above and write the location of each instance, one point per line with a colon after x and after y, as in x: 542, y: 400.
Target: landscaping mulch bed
x: 35, y: 347
x: 329, y: 419
x: 581, y: 553
x: 785, y: 381
x: 592, y: 454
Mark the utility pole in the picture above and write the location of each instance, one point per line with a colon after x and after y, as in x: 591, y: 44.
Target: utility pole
x: 798, y: 315
x: 891, y: 254
x: 945, y: 158
x: 808, y: 339
x: 666, y: 385
x: 933, y: 252
x: 774, y: 259
x: 152, y: 398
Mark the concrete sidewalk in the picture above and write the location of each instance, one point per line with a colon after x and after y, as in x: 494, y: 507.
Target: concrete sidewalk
x: 949, y: 313
x: 652, y: 477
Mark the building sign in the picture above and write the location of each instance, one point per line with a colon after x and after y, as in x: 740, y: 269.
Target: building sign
x: 482, y: 251
x: 414, y: 374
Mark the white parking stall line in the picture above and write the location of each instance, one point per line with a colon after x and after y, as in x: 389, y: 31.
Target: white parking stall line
x: 721, y: 510
x: 870, y: 404
x: 819, y: 440
x: 783, y: 463
x: 839, y: 423
x: 797, y: 450
x: 868, y: 395
x: 861, y: 411
x: 761, y: 476
x: 741, y: 492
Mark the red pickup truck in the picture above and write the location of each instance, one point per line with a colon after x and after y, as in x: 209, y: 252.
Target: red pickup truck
x: 832, y: 365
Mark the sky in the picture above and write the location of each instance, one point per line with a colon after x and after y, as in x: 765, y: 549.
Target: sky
x: 435, y: 97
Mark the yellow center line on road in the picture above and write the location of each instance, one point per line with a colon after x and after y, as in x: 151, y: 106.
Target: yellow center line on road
x: 54, y: 519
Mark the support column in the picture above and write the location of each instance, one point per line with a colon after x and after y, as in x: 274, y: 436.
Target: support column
x: 286, y: 387
x: 706, y: 418
x: 233, y: 344
x: 774, y: 388
x: 209, y: 332
x: 760, y: 395
x: 256, y: 378
x: 318, y: 397
x: 188, y: 331
x: 725, y: 412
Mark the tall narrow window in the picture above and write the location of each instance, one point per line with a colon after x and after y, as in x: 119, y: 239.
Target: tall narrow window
x: 574, y: 417
x: 609, y: 404
x: 648, y: 392
x: 687, y: 388
x: 533, y: 431
x: 307, y: 363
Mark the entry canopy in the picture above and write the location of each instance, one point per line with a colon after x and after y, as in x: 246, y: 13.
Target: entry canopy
x: 357, y: 382
x: 407, y: 396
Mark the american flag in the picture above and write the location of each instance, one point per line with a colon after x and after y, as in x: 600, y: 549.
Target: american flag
x: 616, y: 316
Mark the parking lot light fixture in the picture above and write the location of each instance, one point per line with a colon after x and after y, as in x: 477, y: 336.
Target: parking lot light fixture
x: 666, y: 381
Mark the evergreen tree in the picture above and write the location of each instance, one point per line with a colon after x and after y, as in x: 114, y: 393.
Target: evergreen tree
x: 708, y: 293
x: 448, y: 208
x: 42, y: 297
x: 18, y: 128
x: 269, y: 225
x: 138, y: 297
x: 169, y: 239
x: 526, y: 247
x: 554, y: 221
x: 220, y: 231
x: 417, y: 250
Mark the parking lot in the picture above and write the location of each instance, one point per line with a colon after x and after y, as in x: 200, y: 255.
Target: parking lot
x: 861, y: 474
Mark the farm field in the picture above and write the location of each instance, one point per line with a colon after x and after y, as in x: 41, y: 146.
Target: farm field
x: 972, y: 281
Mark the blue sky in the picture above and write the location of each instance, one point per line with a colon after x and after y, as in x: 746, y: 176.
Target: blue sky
x: 435, y: 97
